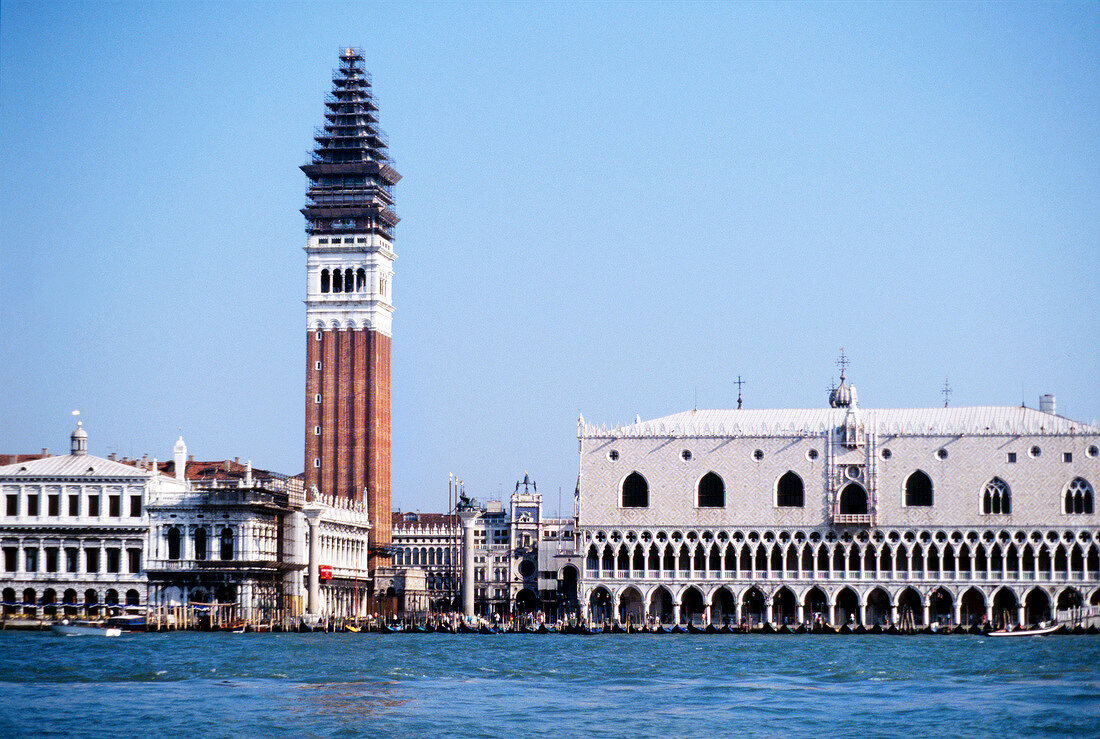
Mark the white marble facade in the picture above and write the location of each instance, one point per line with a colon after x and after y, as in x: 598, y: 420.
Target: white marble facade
x: 866, y: 514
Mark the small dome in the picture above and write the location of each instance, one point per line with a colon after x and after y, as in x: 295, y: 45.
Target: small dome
x: 79, y: 440
x: 843, y: 395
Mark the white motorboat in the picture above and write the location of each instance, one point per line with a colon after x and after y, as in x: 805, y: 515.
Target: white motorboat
x: 1040, y: 630
x: 83, y: 628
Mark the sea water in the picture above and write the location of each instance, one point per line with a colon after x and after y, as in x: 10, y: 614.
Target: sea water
x: 225, y: 684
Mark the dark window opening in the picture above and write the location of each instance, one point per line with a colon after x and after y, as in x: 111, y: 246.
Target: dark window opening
x: 135, y: 506
x: 91, y: 560
x: 11, y: 559
x: 853, y: 500
x: 227, y: 543
x: 918, y: 490
x: 31, y: 558
x: 53, y: 505
x: 712, y: 491
x: 74, y: 505
x: 790, y: 492
x: 635, y: 491
x: 13, y: 505
x: 51, y: 559
x: 324, y: 281
x: 200, y: 543
x: 134, y: 556
x: 114, y: 506
x: 32, y: 505
x: 173, y: 543
x: 72, y: 559
x: 93, y: 505
x: 113, y: 560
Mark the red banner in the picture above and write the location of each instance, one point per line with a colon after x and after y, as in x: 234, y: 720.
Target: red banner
x: 324, y: 572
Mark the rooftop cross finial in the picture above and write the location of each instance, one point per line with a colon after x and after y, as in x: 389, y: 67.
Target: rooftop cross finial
x: 739, y: 384
x: 842, y: 363
x: 946, y: 390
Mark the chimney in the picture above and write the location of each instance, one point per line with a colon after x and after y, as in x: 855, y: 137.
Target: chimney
x: 45, y: 452
x: 1047, y: 404
x: 113, y: 456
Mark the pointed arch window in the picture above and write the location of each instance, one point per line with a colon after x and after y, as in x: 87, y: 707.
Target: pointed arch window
x: 1078, y: 497
x: 918, y: 490
x: 635, y: 491
x: 996, y: 497
x: 711, y: 492
x: 790, y: 492
x: 200, y: 543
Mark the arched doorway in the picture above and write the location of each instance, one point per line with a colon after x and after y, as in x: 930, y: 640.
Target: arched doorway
x: 567, y: 590
x: 723, y: 609
x: 847, y: 607
x: 660, y: 605
x: 752, y: 607
x: 692, y: 608
x: 1036, y: 606
x: 784, y: 610
x: 600, y: 605
x: 9, y: 601
x: 1005, y: 608
x: 526, y: 601
x: 631, y: 607
x: 49, y: 602
x: 69, y: 600
x: 878, y: 607
x: 941, y: 607
x: 816, y: 605
x: 972, y: 607
x: 910, y: 608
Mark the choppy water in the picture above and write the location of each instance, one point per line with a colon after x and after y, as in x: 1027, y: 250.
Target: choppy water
x: 609, y: 685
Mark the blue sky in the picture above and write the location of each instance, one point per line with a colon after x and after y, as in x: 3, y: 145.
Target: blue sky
x: 607, y: 208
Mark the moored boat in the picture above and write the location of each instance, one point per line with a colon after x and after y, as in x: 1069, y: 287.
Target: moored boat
x: 84, y: 628
x: 1037, y: 631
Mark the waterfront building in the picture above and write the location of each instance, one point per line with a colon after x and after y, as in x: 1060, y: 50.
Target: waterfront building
x: 349, y: 304
x: 507, y: 552
x: 844, y: 513
x: 227, y: 536
x: 74, y: 532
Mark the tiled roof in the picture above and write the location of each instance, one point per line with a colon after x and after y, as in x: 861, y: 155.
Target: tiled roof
x: 807, y: 421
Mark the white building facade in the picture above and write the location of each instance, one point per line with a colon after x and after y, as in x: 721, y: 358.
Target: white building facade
x: 881, y: 516
x: 74, y: 533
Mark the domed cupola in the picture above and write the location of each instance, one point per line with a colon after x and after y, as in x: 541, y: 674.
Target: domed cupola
x: 843, y: 395
x: 79, y: 440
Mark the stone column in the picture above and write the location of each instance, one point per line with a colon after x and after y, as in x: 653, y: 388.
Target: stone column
x: 313, y: 517
x: 801, y: 611
x: 1020, y: 614
x: 927, y: 614
x: 958, y: 611
x: 675, y: 613
x: 768, y: 609
x: 468, y: 516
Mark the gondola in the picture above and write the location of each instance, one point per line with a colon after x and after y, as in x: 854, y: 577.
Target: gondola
x: 693, y: 629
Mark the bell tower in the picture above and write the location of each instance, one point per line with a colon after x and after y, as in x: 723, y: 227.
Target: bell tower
x: 349, y: 301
